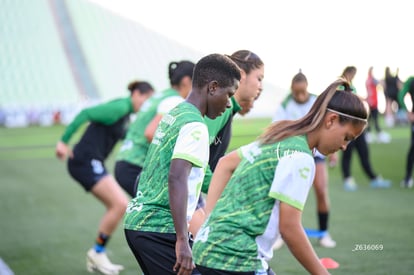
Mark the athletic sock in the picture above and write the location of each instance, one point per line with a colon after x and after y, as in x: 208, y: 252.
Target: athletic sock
x: 100, y: 243
x: 323, y: 220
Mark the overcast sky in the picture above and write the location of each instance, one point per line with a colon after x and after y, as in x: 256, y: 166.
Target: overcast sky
x: 319, y: 36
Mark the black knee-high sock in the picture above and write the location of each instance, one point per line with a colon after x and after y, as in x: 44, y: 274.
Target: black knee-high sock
x: 323, y: 220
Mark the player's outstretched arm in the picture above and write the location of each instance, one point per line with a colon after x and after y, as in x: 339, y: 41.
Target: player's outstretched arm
x: 221, y: 176
x: 293, y: 234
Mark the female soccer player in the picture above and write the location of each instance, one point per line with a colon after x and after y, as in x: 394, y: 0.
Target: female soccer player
x: 408, y: 88
x: 86, y: 164
x: 219, y: 129
x: 360, y: 144
x: 156, y: 220
x: 268, y: 183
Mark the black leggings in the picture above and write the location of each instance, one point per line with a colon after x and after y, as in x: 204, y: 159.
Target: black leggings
x: 374, y: 118
x: 410, y: 157
x: 361, y: 146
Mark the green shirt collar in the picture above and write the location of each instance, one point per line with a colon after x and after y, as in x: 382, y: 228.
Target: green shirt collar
x: 235, y: 105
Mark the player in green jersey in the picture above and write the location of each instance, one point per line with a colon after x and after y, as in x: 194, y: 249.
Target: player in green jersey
x: 156, y: 220
x: 107, y: 125
x: 220, y: 129
x: 268, y: 183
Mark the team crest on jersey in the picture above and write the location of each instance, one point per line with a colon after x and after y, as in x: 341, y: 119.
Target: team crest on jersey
x: 304, y: 172
x: 196, y: 135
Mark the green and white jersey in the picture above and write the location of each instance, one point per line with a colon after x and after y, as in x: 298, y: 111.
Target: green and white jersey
x: 135, y: 146
x: 243, y: 226
x: 292, y: 110
x: 181, y: 134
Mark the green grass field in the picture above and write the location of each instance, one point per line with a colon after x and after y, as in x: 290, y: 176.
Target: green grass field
x: 48, y: 222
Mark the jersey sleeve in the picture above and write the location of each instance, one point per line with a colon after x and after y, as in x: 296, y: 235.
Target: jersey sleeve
x: 107, y: 114
x: 293, y: 179
x: 192, y: 144
x: 168, y: 103
x: 404, y: 90
x: 249, y: 151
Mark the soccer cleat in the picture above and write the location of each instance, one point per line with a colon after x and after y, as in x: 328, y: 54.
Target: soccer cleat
x: 384, y: 137
x: 379, y: 182
x: 350, y: 184
x: 370, y: 138
x: 407, y: 184
x: 278, y: 243
x: 100, y: 262
x: 327, y: 241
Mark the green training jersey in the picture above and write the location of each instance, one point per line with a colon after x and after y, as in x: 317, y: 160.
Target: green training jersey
x: 243, y: 226
x: 215, y: 125
x: 135, y: 146
x: 181, y: 134
x: 107, y: 114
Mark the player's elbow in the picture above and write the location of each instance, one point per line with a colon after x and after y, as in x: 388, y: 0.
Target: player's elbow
x: 289, y: 224
x: 229, y: 162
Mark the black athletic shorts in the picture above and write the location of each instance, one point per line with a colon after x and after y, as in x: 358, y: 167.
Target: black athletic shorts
x: 86, y: 171
x: 211, y: 271
x: 154, y: 252
x: 126, y: 175
x: 201, y: 202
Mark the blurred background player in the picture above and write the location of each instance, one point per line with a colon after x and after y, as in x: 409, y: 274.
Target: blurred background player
x: 296, y: 105
x: 371, y: 84
x: 408, y: 88
x: 360, y: 144
x: 107, y: 125
x: 391, y: 84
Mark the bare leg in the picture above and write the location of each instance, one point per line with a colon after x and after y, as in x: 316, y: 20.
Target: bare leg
x: 108, y: 191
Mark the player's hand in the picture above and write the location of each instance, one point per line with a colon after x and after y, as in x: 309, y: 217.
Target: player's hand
x: 184, y: 264
x: 63, y: 150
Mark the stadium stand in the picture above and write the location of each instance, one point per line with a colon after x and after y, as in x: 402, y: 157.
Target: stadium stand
x: 59, y: 56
